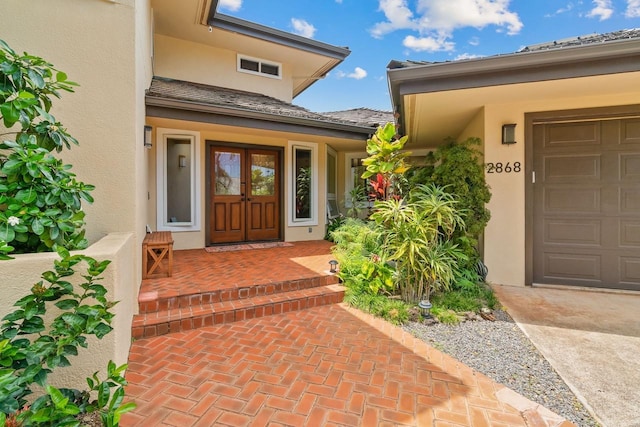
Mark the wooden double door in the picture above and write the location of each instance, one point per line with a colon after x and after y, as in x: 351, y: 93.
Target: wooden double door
x: 244, y: 194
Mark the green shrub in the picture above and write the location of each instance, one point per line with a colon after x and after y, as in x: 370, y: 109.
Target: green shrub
x: 30, y: 349
x: 415, y: 235
x: 458, y: 168
x: 40, y: 199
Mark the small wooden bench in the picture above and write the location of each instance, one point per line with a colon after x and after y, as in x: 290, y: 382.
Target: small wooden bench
x: 156, y: 247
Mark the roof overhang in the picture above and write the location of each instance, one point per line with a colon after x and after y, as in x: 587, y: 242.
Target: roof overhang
x: 198, y: 21
x: 433, y: 100
x: 238, y: 117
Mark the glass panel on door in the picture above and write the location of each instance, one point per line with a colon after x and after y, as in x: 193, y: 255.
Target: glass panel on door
x: 263, y: 174
x: 227, y: 173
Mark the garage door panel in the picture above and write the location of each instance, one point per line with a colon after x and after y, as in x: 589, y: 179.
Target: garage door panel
x: 565, y: 135
x: 572, y: 266
x: 629, y: 234
x: 630, y: 131
x: 629, y: 167
x: 568, y: 168
x: 629, y: 200
x: 571, y: 199
x: 630, y: 271
x: 575, y: 232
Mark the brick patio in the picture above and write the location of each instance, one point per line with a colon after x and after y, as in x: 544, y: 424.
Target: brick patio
x: 327, y: 365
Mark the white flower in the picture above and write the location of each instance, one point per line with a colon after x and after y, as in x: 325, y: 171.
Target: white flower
x: 13, y: 221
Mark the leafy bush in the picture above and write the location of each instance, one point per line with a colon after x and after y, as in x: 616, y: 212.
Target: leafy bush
x: 40, y: 199
x: 457, y: 167
x: 30, y: 350
x: 416, y: 236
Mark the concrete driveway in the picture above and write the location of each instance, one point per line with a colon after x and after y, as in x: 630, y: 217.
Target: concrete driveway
x: 591, y: 338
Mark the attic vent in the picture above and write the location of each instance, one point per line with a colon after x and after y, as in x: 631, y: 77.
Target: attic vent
x: 259, y: 66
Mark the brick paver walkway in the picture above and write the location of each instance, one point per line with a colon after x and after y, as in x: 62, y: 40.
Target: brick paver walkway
x: 325, y: 366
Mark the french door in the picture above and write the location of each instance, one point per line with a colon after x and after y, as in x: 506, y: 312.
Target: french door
x: 244, y: 195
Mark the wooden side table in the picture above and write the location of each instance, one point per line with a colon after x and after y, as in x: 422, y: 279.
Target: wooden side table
x: 157, y: 247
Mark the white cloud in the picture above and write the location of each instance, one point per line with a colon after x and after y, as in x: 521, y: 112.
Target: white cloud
x: 429, y: 44
x: 474, y: 41
x: 233, y: 5
x: 339, y: 1
x: 633, y: 9
x: 436, y: 20
x: 358, y: 74
x: 303, y: 28
x: 398, y: 15
x: 602, y: 10
x: 568, y: 8
x: 467, y: 56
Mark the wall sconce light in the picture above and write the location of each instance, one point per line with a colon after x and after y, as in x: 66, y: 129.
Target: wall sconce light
x: 509, y: 133
x: 147, y: 137
x: 182, y: 161
x: 333, y: 266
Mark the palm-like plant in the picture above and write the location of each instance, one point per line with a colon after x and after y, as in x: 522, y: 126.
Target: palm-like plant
x: 416, y: 233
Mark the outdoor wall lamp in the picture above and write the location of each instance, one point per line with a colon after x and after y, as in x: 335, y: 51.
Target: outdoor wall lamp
x: 333, y: 266
x: 509, y: 133
x: 425, y: 307
x: 147, y: 137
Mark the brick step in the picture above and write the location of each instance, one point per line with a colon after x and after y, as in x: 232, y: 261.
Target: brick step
x: 146, y: 325
x: 152, y: 302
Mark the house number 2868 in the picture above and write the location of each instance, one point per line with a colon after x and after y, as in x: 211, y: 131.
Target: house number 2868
x: 504, y: 167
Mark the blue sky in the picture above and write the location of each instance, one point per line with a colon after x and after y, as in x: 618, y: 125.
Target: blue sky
x: 377, y: 31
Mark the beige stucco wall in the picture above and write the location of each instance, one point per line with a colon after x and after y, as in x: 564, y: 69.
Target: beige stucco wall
x: 199, y: 63
x: 505, y: 234
x: 21, y: 273
x: 104, y: 46
x: 209, y: 132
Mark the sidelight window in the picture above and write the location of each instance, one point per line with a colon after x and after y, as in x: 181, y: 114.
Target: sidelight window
x: 178, y: 164
x: 304, y: 184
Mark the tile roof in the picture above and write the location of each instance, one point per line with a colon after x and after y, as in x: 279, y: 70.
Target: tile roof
x: 557, y: 44
x: 363, y: 116
x: 584, y: 40
x: 216, y: 96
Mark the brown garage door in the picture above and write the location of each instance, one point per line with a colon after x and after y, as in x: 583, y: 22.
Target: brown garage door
x: 586, y: 215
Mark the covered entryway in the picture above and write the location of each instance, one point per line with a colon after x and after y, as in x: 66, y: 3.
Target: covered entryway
x: 244, y: 194
x: 586, y: 202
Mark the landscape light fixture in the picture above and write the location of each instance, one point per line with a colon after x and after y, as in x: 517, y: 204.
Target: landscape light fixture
x: 509, y: 133
x: 425, y: 307
x: 333, y: 266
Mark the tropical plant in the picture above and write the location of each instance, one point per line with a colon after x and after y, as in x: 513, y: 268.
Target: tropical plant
x: 40, y: 198
x: 415, y: 234
x: 457, y: 167
x: 30, y: 349
x: 386, y: 162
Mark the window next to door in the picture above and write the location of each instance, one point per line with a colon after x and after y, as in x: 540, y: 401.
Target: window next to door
x: 303, y: 184
x: 178, y: 168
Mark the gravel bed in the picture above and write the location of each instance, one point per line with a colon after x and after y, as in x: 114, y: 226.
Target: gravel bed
x: 502, y: 352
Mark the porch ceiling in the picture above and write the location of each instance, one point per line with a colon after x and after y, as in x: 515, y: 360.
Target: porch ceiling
x: 431, y: 117
x: 189, y: 20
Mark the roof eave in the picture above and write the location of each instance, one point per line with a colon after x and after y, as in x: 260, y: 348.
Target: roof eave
x: 524, y: 67
x: 251, y: 29
x: 155, y: 101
